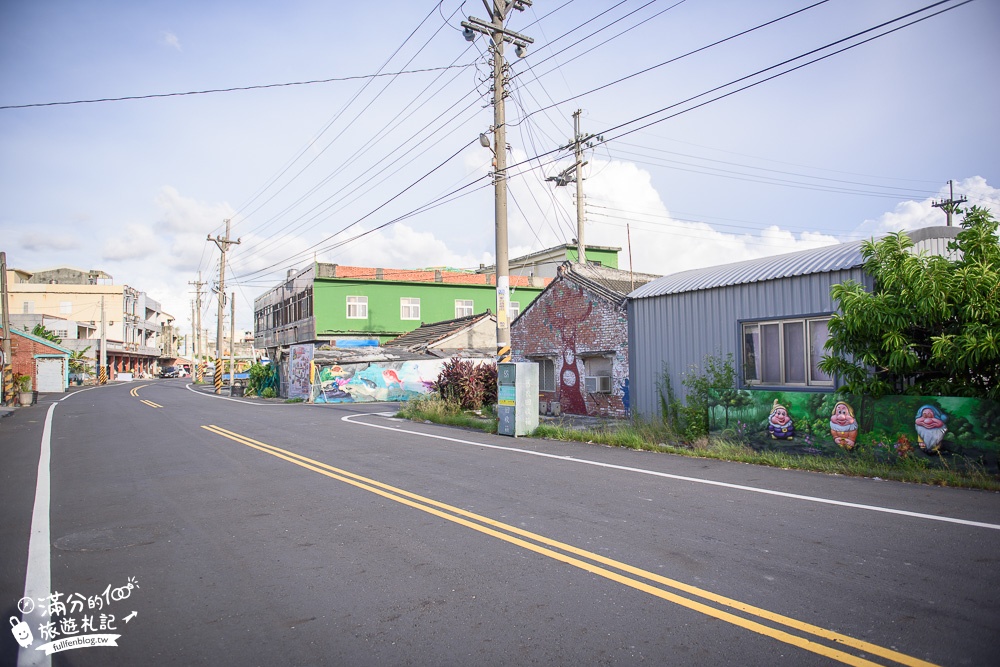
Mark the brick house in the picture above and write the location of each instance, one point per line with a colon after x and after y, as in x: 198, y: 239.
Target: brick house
x: 577, y: 331
x: 46, y: 362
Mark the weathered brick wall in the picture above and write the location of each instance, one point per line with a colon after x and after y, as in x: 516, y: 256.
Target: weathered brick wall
x: 23, y: 351
x: 566, y: 323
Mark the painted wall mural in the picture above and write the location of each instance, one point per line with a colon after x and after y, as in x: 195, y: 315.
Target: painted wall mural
x: 571, y: 326
x: 890, y: 426
x: 299, y: 370
x: 376, y: 381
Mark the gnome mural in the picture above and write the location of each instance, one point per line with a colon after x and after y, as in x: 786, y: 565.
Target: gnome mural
x: 779, y: 424
x: 843, y: 425
x: 930, y: 428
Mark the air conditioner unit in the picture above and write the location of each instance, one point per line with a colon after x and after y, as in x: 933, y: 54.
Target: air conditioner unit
x: 597, y: 384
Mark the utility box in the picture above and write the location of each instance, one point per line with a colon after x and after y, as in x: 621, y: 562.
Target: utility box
x: 517, y: 398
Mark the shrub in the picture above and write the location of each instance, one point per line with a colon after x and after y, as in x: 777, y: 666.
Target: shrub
x: 262, y: 377
x: 469, y: 384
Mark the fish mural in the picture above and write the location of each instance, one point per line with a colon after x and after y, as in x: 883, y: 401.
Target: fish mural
x: 371, y: 382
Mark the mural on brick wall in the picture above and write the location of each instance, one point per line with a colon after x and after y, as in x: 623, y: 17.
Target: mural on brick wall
x: 568, y: 322
x: 566, y: 326
x: 889, y: 426
x: 379, y: 381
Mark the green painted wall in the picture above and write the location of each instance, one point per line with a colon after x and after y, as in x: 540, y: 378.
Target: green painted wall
x: 608, y: 258
x: 437, y: 303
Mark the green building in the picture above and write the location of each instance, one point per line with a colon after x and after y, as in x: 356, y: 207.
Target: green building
x: 347, y: 305
x: 351, y: 305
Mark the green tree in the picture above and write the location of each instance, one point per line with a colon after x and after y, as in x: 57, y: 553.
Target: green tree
x: 80, y: 363
x: 932, y: 324
x: 42, y: 332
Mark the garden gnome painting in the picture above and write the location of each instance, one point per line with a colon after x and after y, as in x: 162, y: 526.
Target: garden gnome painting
x: 843, y: 425
x: 930, y: 428
x: 779, y: 424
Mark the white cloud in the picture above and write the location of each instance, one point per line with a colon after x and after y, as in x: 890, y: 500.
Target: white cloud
x: 132, y: 242
x: 170, y: 39
x: 621, y: 202
x: 42, y: 242
x: 401, y: 246
x: 183, y: 214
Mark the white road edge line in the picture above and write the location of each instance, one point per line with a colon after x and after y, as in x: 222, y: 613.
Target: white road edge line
x: 740, y: 487
x: 38, y: 577
x: 234, y: 400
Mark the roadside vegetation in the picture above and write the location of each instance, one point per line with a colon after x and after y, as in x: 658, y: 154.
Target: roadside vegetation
x: 930, y: 328
x: 872, y: 460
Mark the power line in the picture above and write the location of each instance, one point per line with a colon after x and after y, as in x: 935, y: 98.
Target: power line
x: 233, y: 89
x: 750, y: 85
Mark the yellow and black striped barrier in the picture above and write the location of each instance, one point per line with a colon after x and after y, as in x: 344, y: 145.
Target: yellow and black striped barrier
x: 8, y: 385
x: 199, y: 372
x: 503, y: 354
x: 102, y: 377
x: 218, y: 376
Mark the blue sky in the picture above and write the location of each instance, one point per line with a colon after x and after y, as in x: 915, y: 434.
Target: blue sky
x: 858, y: 143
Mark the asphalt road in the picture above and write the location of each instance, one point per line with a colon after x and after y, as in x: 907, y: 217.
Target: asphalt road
x: 230, y: 532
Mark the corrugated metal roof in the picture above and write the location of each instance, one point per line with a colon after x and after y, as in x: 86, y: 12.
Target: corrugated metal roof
x: 838, y: 257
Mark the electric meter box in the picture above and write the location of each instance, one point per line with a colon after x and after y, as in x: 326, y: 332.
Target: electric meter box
x: 517, y: 398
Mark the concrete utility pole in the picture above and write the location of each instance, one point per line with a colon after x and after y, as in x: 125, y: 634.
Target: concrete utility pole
x: 498, y: 35
x: 8, y: 361
x: 223, y: 243
x: 564, y: 178
x: 232, y: 341
x: 196, y: 325
x: 102, y: 373
x: 950, y: 205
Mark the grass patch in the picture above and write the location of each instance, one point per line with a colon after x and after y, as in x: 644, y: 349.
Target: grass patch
x: 438, y: 411
x: 657, y: 437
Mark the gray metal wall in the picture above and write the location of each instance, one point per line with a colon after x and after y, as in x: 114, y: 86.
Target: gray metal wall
x: 680, y: 330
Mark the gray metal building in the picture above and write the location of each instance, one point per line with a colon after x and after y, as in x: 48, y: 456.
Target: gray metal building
x: 769, y: 313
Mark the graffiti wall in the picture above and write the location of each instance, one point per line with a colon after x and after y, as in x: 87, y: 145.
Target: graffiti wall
x: 568, y: 325
x: 896, y: 425
x: 299, y: 367
x: 375, y: 381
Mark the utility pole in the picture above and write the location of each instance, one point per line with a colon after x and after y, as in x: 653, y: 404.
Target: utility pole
x: 223, y: 243
x: 196, y: 325
x: 232, y: 342
x: 950, y: 205
x: 7, y: 364
x: 102, y: 373
x: 498, y: 34
x: 565, y: 178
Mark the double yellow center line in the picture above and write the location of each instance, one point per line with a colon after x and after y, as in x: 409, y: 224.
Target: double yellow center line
x: 696, y: 599
x: 135, y: 392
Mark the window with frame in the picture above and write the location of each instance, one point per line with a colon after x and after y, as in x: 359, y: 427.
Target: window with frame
x: 409, y: 308
x: 785, y: 352
x: 464, y: 307
x: 546, y: 375
x: 357, y: 308
x: 513, y: 309
x: 28, y: 307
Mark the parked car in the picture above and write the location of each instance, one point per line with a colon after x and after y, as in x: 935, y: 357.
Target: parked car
x: 174, y: 372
